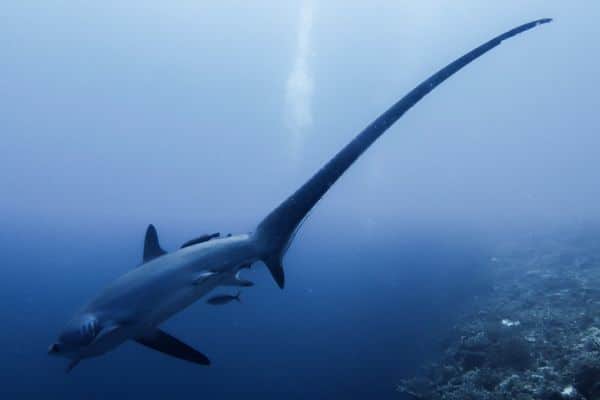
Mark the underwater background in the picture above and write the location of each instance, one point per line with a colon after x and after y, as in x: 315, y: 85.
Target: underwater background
x: 202, y: 117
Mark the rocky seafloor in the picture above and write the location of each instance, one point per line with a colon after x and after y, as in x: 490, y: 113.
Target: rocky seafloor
x: 535, y: 335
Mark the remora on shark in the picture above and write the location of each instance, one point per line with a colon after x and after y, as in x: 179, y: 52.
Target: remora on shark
x: 134, y: 306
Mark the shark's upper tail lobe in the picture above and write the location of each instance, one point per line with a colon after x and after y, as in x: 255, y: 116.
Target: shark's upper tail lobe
x: 274, y: 233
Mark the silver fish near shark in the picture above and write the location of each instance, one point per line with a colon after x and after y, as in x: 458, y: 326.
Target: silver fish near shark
x: 221, y: 299
x: 135, y: 305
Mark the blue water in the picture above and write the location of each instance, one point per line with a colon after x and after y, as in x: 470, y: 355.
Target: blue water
x: 358, y: 313
x: 114, y: 115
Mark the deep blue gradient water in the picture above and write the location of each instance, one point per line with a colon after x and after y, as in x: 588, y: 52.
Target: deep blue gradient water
x: 358, y: 313
x: 202, y: 116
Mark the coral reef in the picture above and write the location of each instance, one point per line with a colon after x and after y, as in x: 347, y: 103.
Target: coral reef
x: 535, y: 336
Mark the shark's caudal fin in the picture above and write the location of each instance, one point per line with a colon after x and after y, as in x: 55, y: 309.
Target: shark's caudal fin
x: 275, y: 232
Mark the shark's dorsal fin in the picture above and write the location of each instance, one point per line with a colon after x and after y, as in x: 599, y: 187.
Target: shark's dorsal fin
x: 152, y: 247
x: 161, y: 341
x: 200, y: 239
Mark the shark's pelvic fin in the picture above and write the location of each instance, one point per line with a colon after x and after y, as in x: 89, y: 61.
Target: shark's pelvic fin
x: 200, y: 239
x: 236, y: 280
x: 274, y: 233
x: 152, y: 247
x: 163, y: 342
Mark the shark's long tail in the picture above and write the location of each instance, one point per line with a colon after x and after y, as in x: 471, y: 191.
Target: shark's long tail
x: 275, y: 232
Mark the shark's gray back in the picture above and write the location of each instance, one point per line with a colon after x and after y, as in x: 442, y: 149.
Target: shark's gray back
x: 162, y: 281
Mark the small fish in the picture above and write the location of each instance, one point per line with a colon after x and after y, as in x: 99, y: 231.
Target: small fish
x: 221, y: 299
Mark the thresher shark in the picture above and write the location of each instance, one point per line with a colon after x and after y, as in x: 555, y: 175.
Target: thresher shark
x: 135, y: 305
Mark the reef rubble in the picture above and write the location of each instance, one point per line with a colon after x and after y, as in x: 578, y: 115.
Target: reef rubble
x: 535, y: 335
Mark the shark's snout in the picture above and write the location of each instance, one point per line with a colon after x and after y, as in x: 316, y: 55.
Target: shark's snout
x: 77, y: 335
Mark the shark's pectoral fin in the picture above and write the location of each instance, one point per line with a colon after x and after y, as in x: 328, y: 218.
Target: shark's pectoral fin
x: 152, y: 247
x: 276, y: 269
x: 169, y: 345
